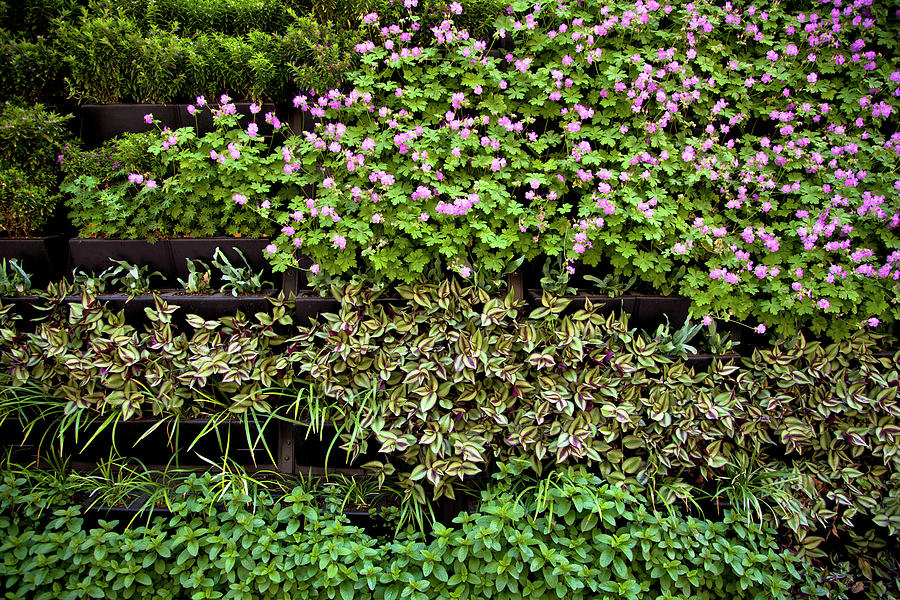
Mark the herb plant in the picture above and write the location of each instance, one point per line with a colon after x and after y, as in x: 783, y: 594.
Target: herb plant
x: 132, y: 279
x: 197, y: 281
x: 14, y: 281
x: 238, y: 280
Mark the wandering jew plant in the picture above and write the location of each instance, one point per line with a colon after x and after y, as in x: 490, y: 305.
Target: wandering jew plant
x: 756, y: 144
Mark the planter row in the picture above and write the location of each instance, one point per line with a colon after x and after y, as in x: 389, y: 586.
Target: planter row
x: 96, y: 123
x: 51, y: 258
x: 195, y: 444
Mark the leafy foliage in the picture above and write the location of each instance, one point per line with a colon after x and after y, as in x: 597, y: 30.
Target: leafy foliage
x: 576, y: 537
x: 238, y: 280
x: 14, y: 281
x: 31, y: 139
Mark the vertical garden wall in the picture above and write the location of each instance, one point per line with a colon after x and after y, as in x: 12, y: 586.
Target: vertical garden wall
x: 442, y: 300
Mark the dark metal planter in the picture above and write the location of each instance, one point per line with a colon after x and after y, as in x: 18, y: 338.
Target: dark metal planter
x: 169, y: 256
x: 148, y: 441
x: 100, y: 122
x: 94, y: 255
x: 45, y: 259
x: 653, y: 310
x: 704, y: 360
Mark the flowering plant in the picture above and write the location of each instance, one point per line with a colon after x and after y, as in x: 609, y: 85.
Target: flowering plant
x: 175, y: 183
x: 756, y: 145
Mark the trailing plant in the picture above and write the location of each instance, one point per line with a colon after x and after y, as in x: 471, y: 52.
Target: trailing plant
x: 14, y: 281
x: 229, y: 362
x: 131, y: 279
x: 582, y: 537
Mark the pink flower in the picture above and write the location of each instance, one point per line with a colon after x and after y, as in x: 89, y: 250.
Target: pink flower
x: 151, y: 184
x: 812, y: 77
x: 191, y: 109
x: 873, y: 322
x: 201, y: 101
x: 135, y: 178
x: 271, y: 249
x: 252, y: 129
x: 376, y: 218
x: 707, y: 320
x: 423, y: 217
x: 298, y: 242
x: 761, y: 328
x: 148, y: 118
x: 240, y: 199
x: 339, y: 241
x: 824, y: 304
x: 465, y: 271
x: 315, y: 269
x: 254, y: 108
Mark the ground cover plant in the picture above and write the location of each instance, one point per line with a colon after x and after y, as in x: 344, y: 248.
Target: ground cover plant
x: 570, y: 535
x: 755, y: 145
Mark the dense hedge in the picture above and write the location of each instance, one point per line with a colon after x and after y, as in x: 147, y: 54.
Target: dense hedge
x: 572, y: 535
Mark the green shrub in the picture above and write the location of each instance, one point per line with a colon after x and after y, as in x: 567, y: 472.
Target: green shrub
x: 231, y: 17
x: 30, y: 70
x: 35, y: 18
x: 25, y: 205
x: 109, y: 59
x: 572, y: 535
x: 31, y: 140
